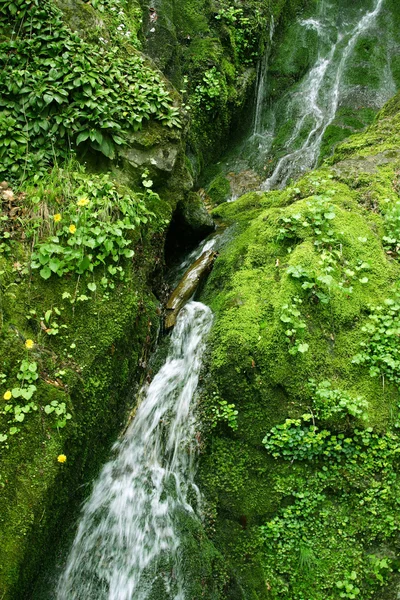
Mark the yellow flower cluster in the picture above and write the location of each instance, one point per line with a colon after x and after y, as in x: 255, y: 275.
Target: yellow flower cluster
x: 83, y: 201
x: 57, y: 218
x: 72, y: 228
x: 7, y: 395
x: 29, y: 344
x: 62, y: 458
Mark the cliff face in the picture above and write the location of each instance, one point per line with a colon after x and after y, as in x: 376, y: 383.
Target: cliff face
x: 303, y: 479
x: 77, y: 326
x: 210, y: 51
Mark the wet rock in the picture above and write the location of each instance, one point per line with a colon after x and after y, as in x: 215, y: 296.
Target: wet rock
x: 196, y: 216
x: 190, y: 224
x: 219, y: 190
x: 153, y: 148
x: 82, y: 18
x: 243, y: 182
x: 188, y: 285
x: 365, y: 164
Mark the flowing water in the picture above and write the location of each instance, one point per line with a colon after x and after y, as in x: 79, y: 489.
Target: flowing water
x: 128, y: 538
x: 316, y: 100
x: 343, y: 86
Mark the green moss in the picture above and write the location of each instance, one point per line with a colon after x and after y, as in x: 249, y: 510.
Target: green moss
x: 100, y: 352
x: 219, y: 190
x: 191, y: 38
x: 250, y: 366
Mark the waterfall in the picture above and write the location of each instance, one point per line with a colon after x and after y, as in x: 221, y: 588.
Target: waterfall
x: 261, y: 82
x: 128, y: 526
x: 317, y: 98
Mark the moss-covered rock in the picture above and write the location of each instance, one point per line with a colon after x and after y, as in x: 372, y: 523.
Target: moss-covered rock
x: 219, y: 190
x: 90, y: 356
x: 292, y: 292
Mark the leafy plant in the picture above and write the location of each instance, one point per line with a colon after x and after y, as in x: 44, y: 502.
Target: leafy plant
x: 19, y: 402
x: 58, y: 92
x: 210, y: 91
x: 246, y: 23
x: 329, y: 402
x: 94, y: 227
x: 347, y: 587
x: 126, y: 19
x: 5, y: 246
x: 381, y: 351
x: 316, y: 219
x: 221, y: 411
x: 292, y: 440
x: 311, y: 282
x: 60, y: 410
x: 291, y: 316
x: 347, y: 500
x: 391, y: 241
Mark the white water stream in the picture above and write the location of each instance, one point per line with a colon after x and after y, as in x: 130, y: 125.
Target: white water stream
x: 316, y: 100
x: 128, y: 525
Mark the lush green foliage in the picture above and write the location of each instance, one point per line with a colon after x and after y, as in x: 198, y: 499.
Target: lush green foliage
x: 222, y: 412
x: 334, y: 271
x: 245, y: 22
x: 119, y: 12
x: 93, y: 226
x: 358, y: 469
x: 4, y: 236
x: 381, y: 352
x: 311, y: 282
x: 329, y: 402
x: 15, y: 412
x: 58, y: 91
x: 211, y: 92
x: 391, y: 240
x: 297, y: 327
x: 318, y: 216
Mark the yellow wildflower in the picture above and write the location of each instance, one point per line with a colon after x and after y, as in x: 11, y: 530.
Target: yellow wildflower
x: 29, y: 344
x: 72, y: 228
x: 83, y: 201
x: 61, y: 458
x: 57, y: 217
x: 7, y: 395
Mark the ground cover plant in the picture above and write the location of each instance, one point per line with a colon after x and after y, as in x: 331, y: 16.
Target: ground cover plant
x: 59, y: 92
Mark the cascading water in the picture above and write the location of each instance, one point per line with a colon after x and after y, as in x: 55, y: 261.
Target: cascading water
x: 128, y: 538
x: 315, y: 102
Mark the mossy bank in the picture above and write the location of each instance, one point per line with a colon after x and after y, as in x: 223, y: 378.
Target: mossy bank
x: 77, y: 326
x: 302, y: 482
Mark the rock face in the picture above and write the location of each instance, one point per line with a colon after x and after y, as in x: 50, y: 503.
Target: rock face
x: 212, y: 56
x: 154, y: 148
x: 191, y: 223
x: 198, y: 221
x: 188, y: 286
